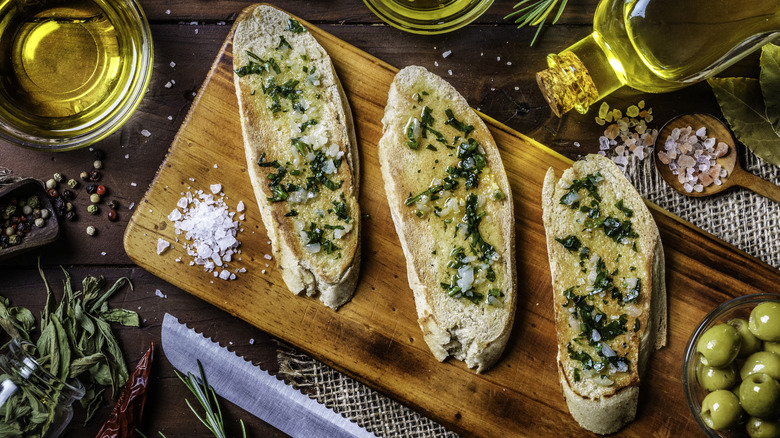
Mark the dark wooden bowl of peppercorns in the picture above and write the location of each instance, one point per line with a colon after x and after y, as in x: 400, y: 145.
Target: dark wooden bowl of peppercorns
x: 27, y: 217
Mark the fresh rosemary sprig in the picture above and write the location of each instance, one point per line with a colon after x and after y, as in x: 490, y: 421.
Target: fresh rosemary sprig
x: 535, y: 13
x: 207, y: 398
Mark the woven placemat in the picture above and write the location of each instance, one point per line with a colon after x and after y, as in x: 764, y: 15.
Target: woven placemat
x: 742, y: 218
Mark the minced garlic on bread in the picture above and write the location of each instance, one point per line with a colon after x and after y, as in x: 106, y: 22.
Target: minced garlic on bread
x: 301, y: 153
x: 452, y: 208
x: 607, y: 268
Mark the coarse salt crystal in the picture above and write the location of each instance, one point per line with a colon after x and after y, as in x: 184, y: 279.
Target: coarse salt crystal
x: 446, y: 54
x: 240, y: 207
x: 267, y: 256
x: 162, y: 245
x: 215, y: 188
x: 146, y: 133
x: 172, y: 64
x: 159, y: 293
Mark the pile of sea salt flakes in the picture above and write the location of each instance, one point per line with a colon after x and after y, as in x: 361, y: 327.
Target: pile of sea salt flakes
x: 692, y: 157
x: 209, y: 228
x: 626, y: 135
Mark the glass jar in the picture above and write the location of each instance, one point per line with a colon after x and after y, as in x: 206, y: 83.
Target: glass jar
x: 24, y: 384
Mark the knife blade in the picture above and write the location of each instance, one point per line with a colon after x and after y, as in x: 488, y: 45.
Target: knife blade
x: 252, y: 388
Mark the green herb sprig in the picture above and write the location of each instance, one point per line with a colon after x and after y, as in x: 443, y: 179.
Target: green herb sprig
x: 207, y: 398
x: 535, y: 13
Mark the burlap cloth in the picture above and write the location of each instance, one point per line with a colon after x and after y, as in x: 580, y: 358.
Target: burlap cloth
x: 740, y: 217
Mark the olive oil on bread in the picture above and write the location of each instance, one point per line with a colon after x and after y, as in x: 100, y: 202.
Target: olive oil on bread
x: 609, y: 293
x: 452, y: 209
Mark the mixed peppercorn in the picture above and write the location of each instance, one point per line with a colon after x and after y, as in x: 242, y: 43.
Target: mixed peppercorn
x: 19, y: 215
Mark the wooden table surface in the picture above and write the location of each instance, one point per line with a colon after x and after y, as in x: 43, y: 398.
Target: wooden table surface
x: 491, y: 63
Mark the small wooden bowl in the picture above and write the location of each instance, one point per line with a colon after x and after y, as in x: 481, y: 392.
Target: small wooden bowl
x: 37, y: 236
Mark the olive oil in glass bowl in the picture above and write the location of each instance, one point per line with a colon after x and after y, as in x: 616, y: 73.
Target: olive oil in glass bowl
x: 71, y: 71
x: 428, y: 16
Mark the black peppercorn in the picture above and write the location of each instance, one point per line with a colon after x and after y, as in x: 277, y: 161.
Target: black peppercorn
x: 71, y: 215
x: 113, y: 204
x: 99, y: 154
x: 94, y: 175
x: 68, y: 194
x: 91, y: 188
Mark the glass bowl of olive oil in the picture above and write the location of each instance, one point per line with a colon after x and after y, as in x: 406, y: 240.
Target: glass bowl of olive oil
x: 71, y: 71
x: 428, y: 16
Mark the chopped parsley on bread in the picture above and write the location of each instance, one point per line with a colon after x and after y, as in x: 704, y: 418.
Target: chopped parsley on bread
x: 452, y: 208
x: 607, y: 267
x: 301, y: 153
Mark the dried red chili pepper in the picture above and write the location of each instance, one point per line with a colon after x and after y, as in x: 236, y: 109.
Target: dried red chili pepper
x: 127, y: 412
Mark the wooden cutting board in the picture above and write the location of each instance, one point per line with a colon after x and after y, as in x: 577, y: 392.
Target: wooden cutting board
x: 375, y: 337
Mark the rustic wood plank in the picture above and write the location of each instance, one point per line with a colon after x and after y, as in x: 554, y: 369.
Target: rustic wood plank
x: 375, y: 337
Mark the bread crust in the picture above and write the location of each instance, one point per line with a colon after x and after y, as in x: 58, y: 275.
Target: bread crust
x: 598, y: 408
x: 267, y: 134
x: 474, y: 333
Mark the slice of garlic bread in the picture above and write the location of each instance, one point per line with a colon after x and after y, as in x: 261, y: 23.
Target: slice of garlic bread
x: 607, y: 267
x: 452, y: 208
x: 301, y: 153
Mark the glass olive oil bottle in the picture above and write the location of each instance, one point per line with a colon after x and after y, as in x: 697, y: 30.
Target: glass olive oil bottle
x: 67, y: 66
x: 656, y: 46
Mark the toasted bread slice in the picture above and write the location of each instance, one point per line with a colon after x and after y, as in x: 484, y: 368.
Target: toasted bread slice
x: 301, y: 153
x: 607, y: 268
x: 452, y: 208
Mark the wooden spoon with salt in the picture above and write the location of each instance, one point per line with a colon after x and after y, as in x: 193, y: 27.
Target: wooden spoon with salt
x: 736, y: 174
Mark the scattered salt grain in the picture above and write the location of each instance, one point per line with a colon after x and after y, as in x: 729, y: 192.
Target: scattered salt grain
x: 251, y: 341
x: 450, y: 72
x: 159, y: 293
x: 172, y: 64
x: 170, y: 117
x: 168, y: 84
x: 167, y: 12
x: 103, y: 253
x: 132, y: 184
x: 127, y: 156
x: 267, y: 256
x: 626, y: 136
x: 215, y: 188
x: 146, y: 133
x: 446, y: 54
x: 240, y: 207
x: 215, y: 166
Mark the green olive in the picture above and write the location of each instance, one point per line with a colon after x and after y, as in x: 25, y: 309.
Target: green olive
x: 764, y: 321
x: 774, y: 347
x: 712, y: 378
x: 720, y: 409
x: 719, y: 345
x: 762, y: 428
x: 761, y: 362
x: 750, y: 343
x: 759, y: 395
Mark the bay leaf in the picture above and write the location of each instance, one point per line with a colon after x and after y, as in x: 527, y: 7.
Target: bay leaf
x: 742, y: 104
x: 769, y: 79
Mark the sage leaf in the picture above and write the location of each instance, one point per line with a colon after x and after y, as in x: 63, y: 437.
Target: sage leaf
x: 741, y: 101
x: 769, y: 79
x: 63, y: 348
x: 83, y: 364
x: 127, y: 318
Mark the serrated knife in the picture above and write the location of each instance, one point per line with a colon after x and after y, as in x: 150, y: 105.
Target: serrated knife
x: 251, y: 388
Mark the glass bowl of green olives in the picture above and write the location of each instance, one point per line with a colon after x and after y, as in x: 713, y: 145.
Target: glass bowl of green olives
x: 731, y: 370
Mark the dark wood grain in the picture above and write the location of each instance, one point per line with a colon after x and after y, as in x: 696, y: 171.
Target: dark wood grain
x: 191, y: 34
